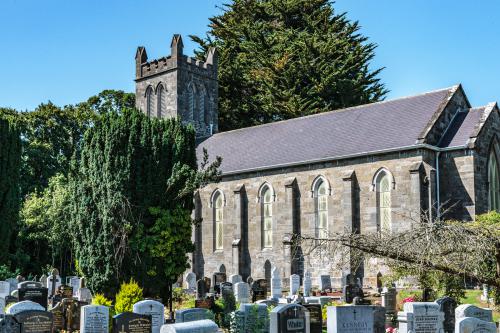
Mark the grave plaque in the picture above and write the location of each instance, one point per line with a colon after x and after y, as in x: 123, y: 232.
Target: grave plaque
x: 129, y: 322
x: 474, y: 325
x: 206, y: 303
x: 447, y: 306
x: 58, y: 317
x: 325, y: 282
x: 35, y: 321
x: 421, y: 317
x: 469, y: 310
x: 351, y: 319
x: 294, y: 284
x: 316, y: 317
x: 259, y: 290
x: 35, y: 294
x: 200, y: 326
x: 187, y: 315
x: 8, y: 324
x: 24, y: 306
x: 153, y: 308
x: 289, y: 318
x: 94, y: 319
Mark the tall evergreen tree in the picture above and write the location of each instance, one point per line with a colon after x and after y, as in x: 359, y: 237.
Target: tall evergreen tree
x: 280, y: 59
x: 10, y: 160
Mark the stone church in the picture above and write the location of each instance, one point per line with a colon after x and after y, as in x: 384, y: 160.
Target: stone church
x: 375, y: 167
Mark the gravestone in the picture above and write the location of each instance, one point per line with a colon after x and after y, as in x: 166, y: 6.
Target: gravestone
x: 53, y: 282
x: 186, y: 315
x: 249, y: 280
x: 74, y: 282
x: 23, y: 306
x: 474, y: 325
x: 206, y: 303
x: 8, y: 324
x: 208, y: 283
x: 325, y: 282
x: 235, y: 278
x: 469, y: 310
x: 129, y: 322
x: 354, y: 319
x: 71, y: 314
x: 12, y: 283
x: 217, y: 279
x: 242, y: 292
x: 420, y: 317
x: 315, y: 317
x: 228, y: 297
x: 447, y: 306
x: 379, y: 319
x: 4, y: 289
x: 191, y: 281
x: 201, y: 289
x: 276, y: 284
x: 294, y: 284
x: 32, y: 291
x: 84, y: 294
x: 259, y: 290
x: 153, y: 308
x: 307, y: 283
x: 94, y: 319
x: 2, y: 305
x: 251, y: 318
x: 389, y: 300
x: 34, y: 321
x: 43, y: 280
x: 289, y: 318
x: 29, y: 284
x: 200, y: 326
x: 348, y: 293
x: 58, y: 317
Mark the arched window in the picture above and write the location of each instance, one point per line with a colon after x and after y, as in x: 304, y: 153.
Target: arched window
x: 493, y: 188
x: 321, y: 196
x: 218, y: 206
x: 161, y: 111
x: 267, y: 271
x: 267, y: 216
x: 149, y: 102
x: 191, y: 104
x: 201, y: 108
x: 384, y: 211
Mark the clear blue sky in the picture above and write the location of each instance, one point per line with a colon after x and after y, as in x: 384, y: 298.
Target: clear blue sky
x: 66, y: 51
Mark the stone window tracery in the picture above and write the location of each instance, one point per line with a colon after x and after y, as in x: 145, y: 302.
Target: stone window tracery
x: 162, y: 106
x: 149, y: 102
x: 384, y: 202
x: 321, y: 195
x: 218, y: 205
x: 267, y: 217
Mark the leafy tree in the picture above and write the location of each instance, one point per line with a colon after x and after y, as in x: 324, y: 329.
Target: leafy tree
x: 130, y: 163
x: 44, y: 226
x: 10, y: 159
x: 111, y: 101
x: 280, y: 59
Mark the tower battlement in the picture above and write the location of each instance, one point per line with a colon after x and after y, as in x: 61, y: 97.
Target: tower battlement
x: 179, y: 86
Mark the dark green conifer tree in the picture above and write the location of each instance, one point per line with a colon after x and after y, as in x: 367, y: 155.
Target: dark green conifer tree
x: 280, y: 59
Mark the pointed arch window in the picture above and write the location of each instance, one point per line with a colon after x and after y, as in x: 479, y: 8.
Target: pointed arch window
x: 161, y: 107
x: 149, y: 102
x: 493, y: 179
x: 191, y: 104
x: 267, y: 216
x: 320, y: 193
x: 201, y: 109
x: 218, y: 206
x: 384, y: 203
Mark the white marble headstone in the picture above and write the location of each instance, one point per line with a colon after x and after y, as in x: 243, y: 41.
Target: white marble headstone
x: 13, y: 284
x: 75, y: 283
x: 153, y: 308
x: 24, y: 306
x: 191, y: 281
x: 57, y: 280
x: 307, y: 284
x: 84, y: 295
x: 294, y: 284
x: 350, y: 319
x: 4, y: 288
x: 420, y: 317
x: 469, y: 310
x: 94, y: 319
x: 199, y: 326
x: 474, y: 325
x: 242, y: 292
x: 235, y: 278
x: 276, y: 283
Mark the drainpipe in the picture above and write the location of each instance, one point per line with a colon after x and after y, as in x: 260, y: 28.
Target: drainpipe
x: 438, y: 201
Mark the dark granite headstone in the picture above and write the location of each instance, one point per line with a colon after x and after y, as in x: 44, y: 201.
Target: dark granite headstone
x: 34, y: 321
x: 35, y: 294
x: 8, y: 324
x: 259, y: 290
x: 316, y: 317
x: 447, y: 305
x: 58, y: 317
x: 348, y: 293
x: 71, y: 314
x: 201, y: 290
x: 217, y: 279
x: 208, y: 283
x: 129, y: 322
x: 287, y: 318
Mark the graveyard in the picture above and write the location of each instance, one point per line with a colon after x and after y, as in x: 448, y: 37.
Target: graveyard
x: 228, y: 304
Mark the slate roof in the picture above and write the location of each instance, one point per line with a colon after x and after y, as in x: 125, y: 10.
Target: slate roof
x: 463, y: 127
x: 330, y: 135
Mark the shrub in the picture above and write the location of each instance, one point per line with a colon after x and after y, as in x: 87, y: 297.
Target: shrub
x: 129, y: 294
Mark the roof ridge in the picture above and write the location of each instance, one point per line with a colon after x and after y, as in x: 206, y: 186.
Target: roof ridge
x: 351, y: 108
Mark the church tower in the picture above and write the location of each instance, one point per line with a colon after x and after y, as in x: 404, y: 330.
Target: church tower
x: 179, y: 86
